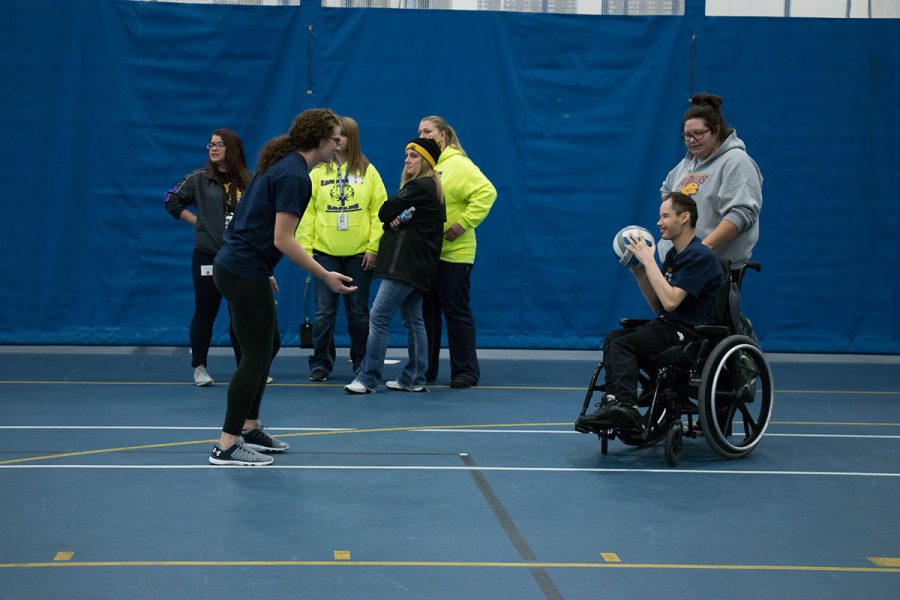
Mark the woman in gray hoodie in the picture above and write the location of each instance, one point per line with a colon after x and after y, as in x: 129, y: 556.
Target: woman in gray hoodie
x: 721, y: 177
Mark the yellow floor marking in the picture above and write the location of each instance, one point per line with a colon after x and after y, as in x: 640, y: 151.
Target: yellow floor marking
x: 482, y: 387
x: 885, y: 561
x: 341, y: 555
x: 610, y: 557
x: 373, y: 430
x: 280, y: 435
x: 64, y: 556
x: 450, y: 564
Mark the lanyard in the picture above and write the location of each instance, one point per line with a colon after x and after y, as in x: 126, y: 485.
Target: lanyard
x: 341, y: 181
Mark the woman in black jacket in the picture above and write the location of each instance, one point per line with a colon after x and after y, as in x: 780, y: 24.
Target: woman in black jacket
x: 408, y: 257
x: 214, y: 192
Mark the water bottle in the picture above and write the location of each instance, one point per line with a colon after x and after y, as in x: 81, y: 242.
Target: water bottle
x: 407, y: 214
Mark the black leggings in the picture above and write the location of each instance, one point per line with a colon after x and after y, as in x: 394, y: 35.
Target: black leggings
x: 207, y: 299
x: 255, y: 325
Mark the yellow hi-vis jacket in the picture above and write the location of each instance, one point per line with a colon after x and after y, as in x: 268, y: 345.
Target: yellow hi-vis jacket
x: 356, y: 197
x: 468, y: 196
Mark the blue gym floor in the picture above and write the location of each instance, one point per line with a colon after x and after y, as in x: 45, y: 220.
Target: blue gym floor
x: 483, y: 493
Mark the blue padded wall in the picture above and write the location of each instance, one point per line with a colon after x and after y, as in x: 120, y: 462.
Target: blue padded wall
x: 574, y: 118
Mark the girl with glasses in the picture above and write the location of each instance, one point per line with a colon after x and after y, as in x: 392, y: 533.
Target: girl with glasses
x: 721, y: 177
x: 206, y: 199
x: 261, y: 232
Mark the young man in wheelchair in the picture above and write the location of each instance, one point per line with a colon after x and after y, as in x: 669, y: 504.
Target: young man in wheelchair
x: 682, y: 295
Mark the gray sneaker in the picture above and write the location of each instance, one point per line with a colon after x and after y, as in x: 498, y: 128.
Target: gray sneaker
x: 201, y: 377
x: 258, y: 439
x: 399, y: 387
x: 239, y: 454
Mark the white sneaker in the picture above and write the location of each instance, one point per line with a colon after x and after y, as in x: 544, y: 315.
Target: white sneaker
x: 357, y: 387
x: 399, y: 387
x: 201, y: 377
x: 269, y: 380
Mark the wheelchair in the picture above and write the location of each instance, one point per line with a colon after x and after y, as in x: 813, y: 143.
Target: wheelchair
x: 718, y: 385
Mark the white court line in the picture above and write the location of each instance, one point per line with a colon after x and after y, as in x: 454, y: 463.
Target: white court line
x: 465, y: 469
x: 815, y: 435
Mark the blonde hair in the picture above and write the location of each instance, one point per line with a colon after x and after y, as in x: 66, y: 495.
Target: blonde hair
x: 356, y: 160
x: 443, y: 125
x: 424, y: 170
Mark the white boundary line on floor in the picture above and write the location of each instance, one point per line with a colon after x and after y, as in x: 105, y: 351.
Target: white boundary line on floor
x: 667, y: 471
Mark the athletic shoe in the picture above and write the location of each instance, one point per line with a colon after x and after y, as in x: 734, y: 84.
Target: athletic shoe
x: 201, y: 377
x: 318, y: 374
x: 269, y: 380
x: 599, y: 416
x: 358, y: 387
x: 399, y: 387
x: 258, y: 439
x: 239, y: 454
x: 462, y: 382
x: 624, y: 415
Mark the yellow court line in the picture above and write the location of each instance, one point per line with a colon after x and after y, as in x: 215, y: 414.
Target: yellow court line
x: 545, y: 388
x: 280, y: 435
x: 451, y: 564
x: 372, y: 430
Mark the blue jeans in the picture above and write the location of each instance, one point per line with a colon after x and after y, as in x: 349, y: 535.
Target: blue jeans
x: 393, y: 296
x: 356, y: 305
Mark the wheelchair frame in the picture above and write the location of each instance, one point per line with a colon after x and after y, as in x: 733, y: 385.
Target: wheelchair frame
x: 714, y: 387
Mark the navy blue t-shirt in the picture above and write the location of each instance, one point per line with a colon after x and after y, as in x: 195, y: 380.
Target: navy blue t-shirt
x: 248, y: 245
x: 697, y: 271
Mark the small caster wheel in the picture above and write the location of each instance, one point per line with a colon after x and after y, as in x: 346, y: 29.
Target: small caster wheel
x: 673, y: 444
x: 604, y: 445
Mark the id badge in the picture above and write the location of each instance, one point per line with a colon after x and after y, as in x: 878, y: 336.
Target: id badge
x: 206, y: 270
x: 342, y: 222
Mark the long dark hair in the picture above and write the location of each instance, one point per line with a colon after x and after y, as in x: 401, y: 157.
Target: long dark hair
x: 308, y: 128
x: 235, y: 166
x: 709, y: 108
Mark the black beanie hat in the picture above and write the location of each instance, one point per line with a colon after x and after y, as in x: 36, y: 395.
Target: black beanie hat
x: 428, y: 148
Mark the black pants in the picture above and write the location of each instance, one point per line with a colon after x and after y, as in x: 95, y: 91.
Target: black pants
x: 207, y: 300
x: 626, y: 351
x: 450, y: 296
x: 255, y: 325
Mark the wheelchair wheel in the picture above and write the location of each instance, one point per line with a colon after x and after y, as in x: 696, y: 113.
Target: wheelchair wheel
x: 674, y: 444
x: 736, y: 395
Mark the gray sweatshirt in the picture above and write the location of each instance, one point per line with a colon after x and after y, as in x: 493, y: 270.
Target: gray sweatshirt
x: 726, y: 185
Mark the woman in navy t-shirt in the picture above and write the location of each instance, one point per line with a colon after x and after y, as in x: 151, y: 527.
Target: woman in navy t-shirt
x: 261, y: 232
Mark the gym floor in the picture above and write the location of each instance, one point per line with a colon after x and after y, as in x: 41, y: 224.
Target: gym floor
x: 478, y: 493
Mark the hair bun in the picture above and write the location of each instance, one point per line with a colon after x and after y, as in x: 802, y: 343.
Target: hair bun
x: 704, y: 99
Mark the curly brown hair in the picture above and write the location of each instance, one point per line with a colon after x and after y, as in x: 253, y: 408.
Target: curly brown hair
x: 308, y: 128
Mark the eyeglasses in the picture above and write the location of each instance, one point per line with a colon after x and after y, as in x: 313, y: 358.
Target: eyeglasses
x: 694, y: 136
x: 218, y: 145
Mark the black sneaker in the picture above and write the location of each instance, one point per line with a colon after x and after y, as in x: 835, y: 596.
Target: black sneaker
x: 257, y: 439
x: 598, y: 417
x: 318, y: 374
x: 624, y: 415
x: 239, y: 454
x: 462, y: 382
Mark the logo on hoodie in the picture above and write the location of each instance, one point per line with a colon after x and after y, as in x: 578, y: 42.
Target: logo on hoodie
x: 690, y: 185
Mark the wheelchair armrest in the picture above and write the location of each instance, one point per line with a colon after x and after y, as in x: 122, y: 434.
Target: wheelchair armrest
x: 633, y: 323
x: 712, y: 331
